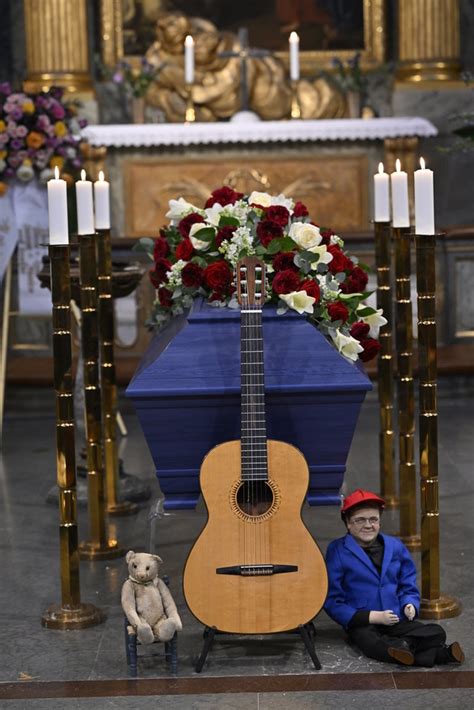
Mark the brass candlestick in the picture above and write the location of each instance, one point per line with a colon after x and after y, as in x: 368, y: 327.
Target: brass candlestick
x: 295, y: 104
x: 385, y: 365
x: 107, y: 379
x: 190, y: 113
x: 405, y: 389
x: 99, y: 546
x: 434, y: 605
x: 70, y: 613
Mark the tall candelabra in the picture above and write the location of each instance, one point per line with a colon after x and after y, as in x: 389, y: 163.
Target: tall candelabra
x: 434, y: 605
x: 99, y: 546
x: 385, y: 364
x: 107, y: 380
x: 405, y: 389
x: 70, y: 613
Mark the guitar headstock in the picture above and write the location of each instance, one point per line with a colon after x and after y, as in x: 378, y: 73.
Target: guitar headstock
x: 251, y: 282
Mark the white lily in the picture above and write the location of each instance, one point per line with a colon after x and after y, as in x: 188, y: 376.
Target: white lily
x: 284, y: 202
x: 347, y: 345
x: 324, y: 255
x: 375, y: 320
x: 179, y: 208
x: 299, y: 301
x: 213, y: 214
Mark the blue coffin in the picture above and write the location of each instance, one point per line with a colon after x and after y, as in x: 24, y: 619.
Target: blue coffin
x: 186, y: 392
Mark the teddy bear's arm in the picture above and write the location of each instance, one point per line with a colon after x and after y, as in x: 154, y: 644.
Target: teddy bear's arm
x: 129, y: 605
x: 169, y: 604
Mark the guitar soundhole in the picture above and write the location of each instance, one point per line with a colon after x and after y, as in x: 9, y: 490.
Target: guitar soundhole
x: 254, y: 498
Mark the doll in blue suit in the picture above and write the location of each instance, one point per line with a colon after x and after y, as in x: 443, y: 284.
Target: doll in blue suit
x: 373, y: 593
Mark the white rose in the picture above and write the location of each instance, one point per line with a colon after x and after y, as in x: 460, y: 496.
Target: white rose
x: 25, y: 173
x: 347, y: 345
x: 283, y: 201
x: 375, y: 320
x: 260, y: 198
x: 198, y: 244
x: 305, y: 235
x: 179, y: 208
x: 299, y: 301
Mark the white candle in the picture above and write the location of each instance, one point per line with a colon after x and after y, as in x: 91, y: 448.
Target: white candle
x: 189, y: 60
x: 85, y: 205
x: 57, y: 210
x: 424, y: 200
x: 102, y: 203
x: 294, y: 43
x: 399, y: 180
x: 381, y: 196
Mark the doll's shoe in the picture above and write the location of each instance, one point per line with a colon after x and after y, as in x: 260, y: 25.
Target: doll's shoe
x: 401, y: 655
x: 456, y: 653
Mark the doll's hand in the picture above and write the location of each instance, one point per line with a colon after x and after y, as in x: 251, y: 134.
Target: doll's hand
x: 409, y: 612
x: 387, y: 618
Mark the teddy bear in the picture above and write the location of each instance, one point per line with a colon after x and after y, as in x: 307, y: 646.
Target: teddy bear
x: 147, y: 601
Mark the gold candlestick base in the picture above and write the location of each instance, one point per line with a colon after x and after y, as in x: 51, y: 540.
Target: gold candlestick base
x: 73, y: 618
x: 295, y: 104
x: 190, y: 113
x: 443, y: 608
x: 95, y: 551
x: 124, y: 507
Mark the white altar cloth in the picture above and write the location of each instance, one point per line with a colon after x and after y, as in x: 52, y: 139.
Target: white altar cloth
x: 161, y: 134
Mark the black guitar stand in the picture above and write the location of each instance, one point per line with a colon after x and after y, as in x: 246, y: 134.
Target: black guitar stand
x: 306, y: 631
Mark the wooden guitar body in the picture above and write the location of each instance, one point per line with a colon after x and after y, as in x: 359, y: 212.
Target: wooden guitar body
x: 255, y: 568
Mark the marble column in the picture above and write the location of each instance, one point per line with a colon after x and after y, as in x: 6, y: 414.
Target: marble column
x: 428, y: 40
x: 57, y: 51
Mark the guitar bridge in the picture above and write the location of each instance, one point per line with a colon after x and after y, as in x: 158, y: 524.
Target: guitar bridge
x: 257, y: 570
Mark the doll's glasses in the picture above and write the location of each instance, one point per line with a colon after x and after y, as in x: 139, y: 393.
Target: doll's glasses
x: 359, y: 522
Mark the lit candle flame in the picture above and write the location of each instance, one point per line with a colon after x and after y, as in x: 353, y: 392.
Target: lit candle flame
x: 101, y: 175
x: 83, y: 174
x: 398, y: 165
x: 189, y: 42
x: 56, y: 173
x: 381, y: 168
x: 422, y: 163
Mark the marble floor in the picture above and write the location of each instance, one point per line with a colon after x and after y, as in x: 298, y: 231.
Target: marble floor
x: 43, y: 668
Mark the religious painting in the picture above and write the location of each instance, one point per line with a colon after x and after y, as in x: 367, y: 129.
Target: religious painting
x: 326, y: 27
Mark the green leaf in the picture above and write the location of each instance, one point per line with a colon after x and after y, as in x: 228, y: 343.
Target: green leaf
x: 260, y: 250
x: 206, y: 234
x: 274, y: 247
x: 287, y: 244
x: 228, y: 221
x: 199, y: 261
x: 363, y: 312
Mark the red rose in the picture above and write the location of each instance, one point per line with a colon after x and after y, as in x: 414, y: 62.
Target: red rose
x: 218, y: 276
x: 300, y: 210
x: 340, y: 262
x: 184, y: 250
x: 192, y: 275
x: 161, y: 248
x: 326, y: 235
x: 224, y: 196
x: 158, y: 273
x: 267, y: 230
x: 187, y: 222
x: 277, y: 214
x: 360, y: 330
x: 284, y: 261
x: 285, y: 281
x: 164, y: 297
x: 338, y: 311
x: 224, y: 233
x: 311, y: 288
x: 371, y: 348
x: 355, y: 282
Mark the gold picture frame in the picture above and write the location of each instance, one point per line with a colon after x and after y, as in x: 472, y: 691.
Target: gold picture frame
x: 372, y: 54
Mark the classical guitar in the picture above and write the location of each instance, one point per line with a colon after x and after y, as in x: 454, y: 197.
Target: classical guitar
x: 255, y: 568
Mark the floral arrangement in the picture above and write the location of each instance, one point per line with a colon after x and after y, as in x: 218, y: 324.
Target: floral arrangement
x: 135, y: 79
x: 38, y: 132
x: 348, y: 75
x: 307, y: 267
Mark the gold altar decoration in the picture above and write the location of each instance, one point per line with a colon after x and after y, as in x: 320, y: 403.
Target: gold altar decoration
x: 70, y: 613
x: 57, y: 50
x: 112, y: 19
x: 434, y: 605
x: 383, y: 258
x: 217, y: 86
x: 428, y: 40
x: 405, y: 388
x: 100, y: 546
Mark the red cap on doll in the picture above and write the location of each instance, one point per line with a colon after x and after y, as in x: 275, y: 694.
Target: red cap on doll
x: 360, y: 497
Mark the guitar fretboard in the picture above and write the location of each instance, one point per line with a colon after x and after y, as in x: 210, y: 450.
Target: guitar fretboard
x: 253, y: 422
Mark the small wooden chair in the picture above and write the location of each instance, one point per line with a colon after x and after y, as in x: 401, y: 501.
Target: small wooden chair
x: 131, y: 644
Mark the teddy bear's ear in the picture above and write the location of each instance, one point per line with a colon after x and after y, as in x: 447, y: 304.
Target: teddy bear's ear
x: 129, y: 556
x: 159, y: 560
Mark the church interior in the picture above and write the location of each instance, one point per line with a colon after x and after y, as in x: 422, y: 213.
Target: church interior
x: 221, y: 221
